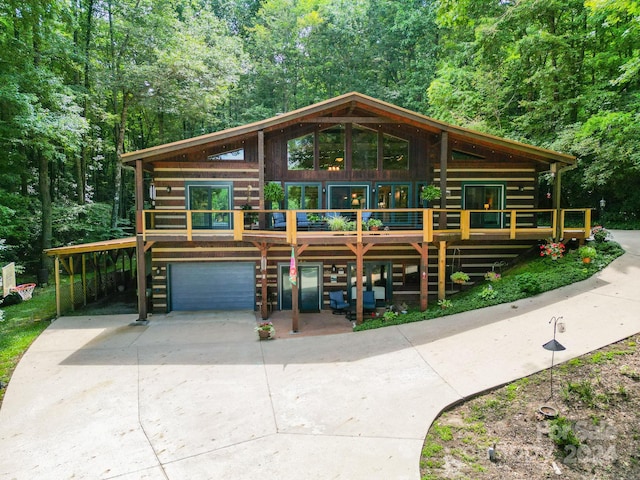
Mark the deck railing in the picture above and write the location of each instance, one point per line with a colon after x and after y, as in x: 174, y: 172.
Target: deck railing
x: 290, y: 225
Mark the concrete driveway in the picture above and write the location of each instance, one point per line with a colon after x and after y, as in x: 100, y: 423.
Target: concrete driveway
x: 197, y: 396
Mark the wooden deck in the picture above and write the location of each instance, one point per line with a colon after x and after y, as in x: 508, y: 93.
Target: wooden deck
x: 429, y: 225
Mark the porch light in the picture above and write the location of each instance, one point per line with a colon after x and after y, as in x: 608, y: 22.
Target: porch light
x: 152, y: 192
x: 168, y: 188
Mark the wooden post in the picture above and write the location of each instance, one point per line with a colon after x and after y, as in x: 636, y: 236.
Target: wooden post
x: 264, y: 286
x: 84, y: 280
x: 359, y: 284
x: 295, y: 314
x: 424, y: 276
x: 142, y: 279
x: 57, y: 275
x: 444, y: 159
x: 72, y: 287
x: 442, y: 270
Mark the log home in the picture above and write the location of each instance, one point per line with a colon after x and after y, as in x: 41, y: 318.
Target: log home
x: 211, y: 241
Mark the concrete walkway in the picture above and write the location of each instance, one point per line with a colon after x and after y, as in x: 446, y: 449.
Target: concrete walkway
x: 196, y: 396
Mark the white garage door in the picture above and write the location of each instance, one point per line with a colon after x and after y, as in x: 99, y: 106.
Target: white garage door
x: 212, y: 286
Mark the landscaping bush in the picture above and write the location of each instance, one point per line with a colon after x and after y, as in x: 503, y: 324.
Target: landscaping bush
x: 529, y: 283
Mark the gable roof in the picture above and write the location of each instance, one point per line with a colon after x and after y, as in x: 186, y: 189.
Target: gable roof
x: 352, y: 101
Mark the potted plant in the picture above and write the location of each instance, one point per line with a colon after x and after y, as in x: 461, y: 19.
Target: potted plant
x: 430, y: 193
x: 337, y: 223
x: 274, y: 193
x: 600, y: 234
x: 249, y: 218
x: 459, y: 277
x: 265, y: 330
x: 373, y: 224
x: 587, y: 253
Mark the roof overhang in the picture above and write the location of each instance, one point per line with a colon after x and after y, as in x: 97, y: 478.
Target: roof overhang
x: 116, y: 244
x: 354, y: 100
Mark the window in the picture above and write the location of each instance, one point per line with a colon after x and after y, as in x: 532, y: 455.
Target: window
x: 347, y: 197
x: 210, y: 197
x: 300, y: 153
x: 232, y: 155
x: 485, y: 197
x: 396, y: 153
x: 365, y: 149
x: 367, y: 145
x: 391, y: 196
x: 331, y: 148
x: 302, y: 196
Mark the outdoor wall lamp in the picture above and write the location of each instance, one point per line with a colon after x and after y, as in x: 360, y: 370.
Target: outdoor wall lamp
x: 168, y: 188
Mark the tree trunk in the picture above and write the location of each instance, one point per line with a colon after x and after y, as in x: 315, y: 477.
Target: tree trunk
x: 117, y: 182
x: 45, y: 198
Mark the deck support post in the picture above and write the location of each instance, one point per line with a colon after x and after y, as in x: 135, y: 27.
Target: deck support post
x: 424, y: 276
x: 264, y: 286
x: 295, y: 314
x: 442, y: 269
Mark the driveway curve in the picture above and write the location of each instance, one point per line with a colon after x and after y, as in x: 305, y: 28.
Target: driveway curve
x: 196, y: 396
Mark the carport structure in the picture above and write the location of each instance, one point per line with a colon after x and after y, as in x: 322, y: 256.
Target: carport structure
x: 107, y: 261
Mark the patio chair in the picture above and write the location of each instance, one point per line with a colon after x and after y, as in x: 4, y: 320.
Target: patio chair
x: 368, y: 300
x: 302, y: 220
x: 337, y: 303
x: 366, y: 216
x: 279, y: 221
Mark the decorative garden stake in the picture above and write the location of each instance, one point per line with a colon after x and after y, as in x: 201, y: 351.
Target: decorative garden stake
x: 554, y: 346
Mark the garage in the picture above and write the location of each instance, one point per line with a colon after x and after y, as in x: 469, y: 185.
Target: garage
x: 212, y: 286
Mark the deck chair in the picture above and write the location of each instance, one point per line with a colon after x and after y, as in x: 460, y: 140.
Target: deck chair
x: 279, y: 220
x: 301, y: 220
x: 366, y: 216
x: 368, y: 300
x: 337, y: 303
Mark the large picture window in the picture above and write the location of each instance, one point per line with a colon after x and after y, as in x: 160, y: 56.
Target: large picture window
x: 369, y: 148
x: 331, y: 148
x: 300, y: 153
x: 365, y: 149
x: 210, y: 197
x: 396, y: 153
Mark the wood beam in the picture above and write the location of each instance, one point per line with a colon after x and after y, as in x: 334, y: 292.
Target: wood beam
x: 359, y: 284
x: 264, y: 286
x: 295, y: 314
x: 444, y: 159
x: 442, y: 270
x: 142, y: 278
x: 423, y: 249
x: 348, y: 120
x: 261, y: 168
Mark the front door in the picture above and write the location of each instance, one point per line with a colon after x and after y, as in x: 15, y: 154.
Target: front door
x: 487, y: 198
x: 309, y: 287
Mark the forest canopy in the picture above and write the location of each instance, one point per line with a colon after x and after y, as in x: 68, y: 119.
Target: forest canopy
x: 83, y: 82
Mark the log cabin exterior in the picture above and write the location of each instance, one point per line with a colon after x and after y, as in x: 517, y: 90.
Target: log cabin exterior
x: 212, y: 241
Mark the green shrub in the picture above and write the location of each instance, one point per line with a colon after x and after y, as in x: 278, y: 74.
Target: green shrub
x: 562, y: 434
x: 528, y: 283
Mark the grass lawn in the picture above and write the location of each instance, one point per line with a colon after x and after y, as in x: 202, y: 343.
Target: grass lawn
x: 20, y: 325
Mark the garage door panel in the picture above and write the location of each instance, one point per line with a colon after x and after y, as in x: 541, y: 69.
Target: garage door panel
x: 212, y: 286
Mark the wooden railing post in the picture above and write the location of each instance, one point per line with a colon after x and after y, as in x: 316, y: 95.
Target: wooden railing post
x: 189, y: 225
x: 465, y: 224
x: 512, y: 229
x: 587, y: 223
x: 238, y: 224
